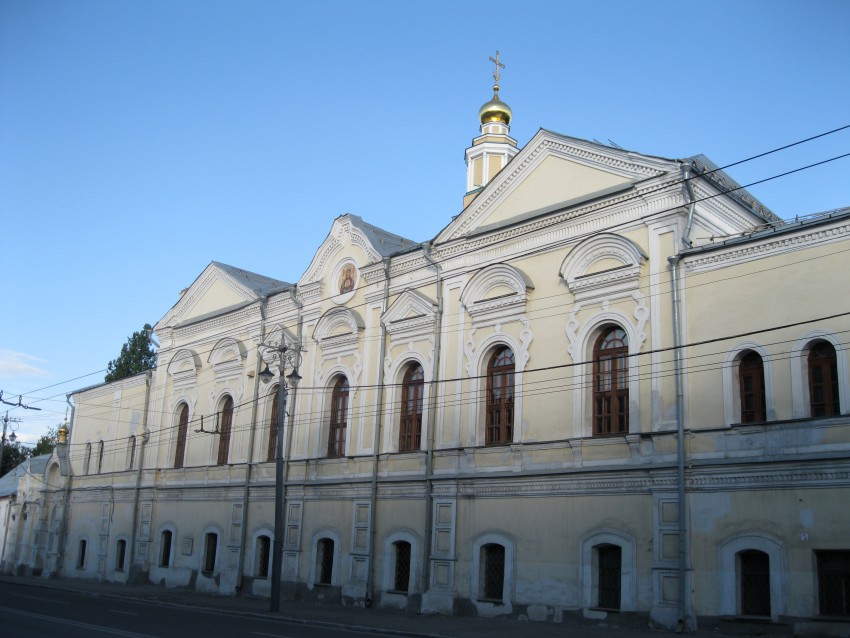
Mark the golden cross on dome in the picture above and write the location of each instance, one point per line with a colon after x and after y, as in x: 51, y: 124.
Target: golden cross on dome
x: 496, y: 75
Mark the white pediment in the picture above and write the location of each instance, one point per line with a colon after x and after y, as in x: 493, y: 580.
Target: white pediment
x: 212, y: 292
x: 411, y: 311
x: 498, y: 291
x: 550, y: 171
x: 603, y: 264
x: 346, y: 241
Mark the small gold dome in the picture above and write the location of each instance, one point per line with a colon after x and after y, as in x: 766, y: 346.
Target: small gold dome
x: 495, y: 110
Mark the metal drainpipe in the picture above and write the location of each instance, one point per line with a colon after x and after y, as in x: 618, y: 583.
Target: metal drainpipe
x: 63, y: 524
x: 432, y: 420
x: 137, y: 490
x: 293, y: 292
x: 684, y: 623
x: 244, y: 534
x: 376, y: 442
x: 686, y: 179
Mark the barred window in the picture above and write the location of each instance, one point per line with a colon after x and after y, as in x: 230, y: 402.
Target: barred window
x: 611, y: 383
x: 823, y: 380
x: 339, y: 416
x: 751, y: 378
x: 401, y: 580
x: 225, y: 423
x: 262, y: 556
x: 182, y: 433
x: 410, y: 428
x: 500, y: 398
x: 492, y: 572
x: 834, y: 583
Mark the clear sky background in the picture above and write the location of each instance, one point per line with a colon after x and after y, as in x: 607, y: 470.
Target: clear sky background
x: 140, y: 140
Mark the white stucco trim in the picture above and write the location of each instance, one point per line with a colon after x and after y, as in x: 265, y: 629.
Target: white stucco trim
x: 388, y: 571
x: 476, y: 595
x: 628, y: 568
x: 336, y: 577
x: 727, y: 572
x: 800, y: 369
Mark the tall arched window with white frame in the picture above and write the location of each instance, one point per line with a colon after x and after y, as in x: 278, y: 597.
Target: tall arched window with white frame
x: 410, y: 425
x: 611, y: 383
x: 499, y: 427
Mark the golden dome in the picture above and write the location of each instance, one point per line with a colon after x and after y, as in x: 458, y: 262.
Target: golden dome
x: 495, y: 110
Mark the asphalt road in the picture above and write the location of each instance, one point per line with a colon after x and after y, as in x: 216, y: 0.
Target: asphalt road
x: 37, y: 613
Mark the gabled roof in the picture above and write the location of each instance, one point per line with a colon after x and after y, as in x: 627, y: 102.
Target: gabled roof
x: 385, y: 242
x: 33, y: 465
x: 219, y: 289
x: 707, y: 169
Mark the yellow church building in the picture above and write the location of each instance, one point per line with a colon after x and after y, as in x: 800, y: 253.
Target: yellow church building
x: 614, y: 387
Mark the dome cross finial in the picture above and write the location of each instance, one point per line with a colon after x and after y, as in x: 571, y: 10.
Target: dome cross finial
x: 496, y: 75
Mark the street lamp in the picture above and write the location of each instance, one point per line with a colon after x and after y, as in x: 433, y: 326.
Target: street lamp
x: 286, y: 356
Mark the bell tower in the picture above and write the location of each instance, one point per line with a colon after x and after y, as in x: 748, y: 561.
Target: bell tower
x: 494, y: 147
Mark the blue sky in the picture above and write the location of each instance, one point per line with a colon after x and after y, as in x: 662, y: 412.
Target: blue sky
x: 140, y: 140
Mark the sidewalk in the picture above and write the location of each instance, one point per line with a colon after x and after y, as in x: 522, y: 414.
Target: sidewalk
x: 375, y: 620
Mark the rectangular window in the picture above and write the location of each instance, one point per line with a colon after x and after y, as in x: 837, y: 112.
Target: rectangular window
x: 610, y: 559
x: 263, y: 552
x: 754, y: 567
x: 81, y: 557
x: 210, y: 547
x: 325, y: 561
x: 834, y: 583
x: 493, y: 567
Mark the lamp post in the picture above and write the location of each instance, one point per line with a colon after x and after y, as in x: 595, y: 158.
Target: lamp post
x: 285, y: 355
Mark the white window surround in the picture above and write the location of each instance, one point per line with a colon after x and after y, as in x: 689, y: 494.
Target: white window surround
x: 486, y: 608
x: 227, y: 358
x: 314, y: 557
x: 320, y: 438
x: 337, y: 332
x: 496, y: 293
x: 576, y: 267
x: 183, y: 368
x: 728, y: 576
x: 583, y: 370
x: 628, y: 567
x: 481, y: 357
x: 392, y: 406
x: 731, y: 384
x: 388, y: 571
x: 800, y: 372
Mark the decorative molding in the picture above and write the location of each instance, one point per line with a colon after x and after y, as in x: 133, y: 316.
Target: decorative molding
x: 605, y: 246
x: 482, y: 304
x: 411, y: 315
x: 338, y: 332
x: 227, y: 358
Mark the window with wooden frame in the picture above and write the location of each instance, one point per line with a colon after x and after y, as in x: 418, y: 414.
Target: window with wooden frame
x: 823, y: 380
x: 751, y: 379
x: 410, y: 426
x: 225, y: 424
x: 833, y: 582
x: 182, y: 433
x: 499, y: 429
x: 339, y: 416
x: 271, y: 453
x: 611, y: 383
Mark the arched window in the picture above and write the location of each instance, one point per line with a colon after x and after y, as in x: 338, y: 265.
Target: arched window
x: 87, y: 459
x: 165, y: 548
x: 410, y: 427
x: 751, y: 379
x: 271, y: 453
x: 99, y: 456
x: 225, y: 423
x: 823, y: 380
x: 339, y: 416
x: 182, y: 433
x: 210, y: 551
x: 500, y: 398
x: 131, y: 452
x: 611, y: 383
